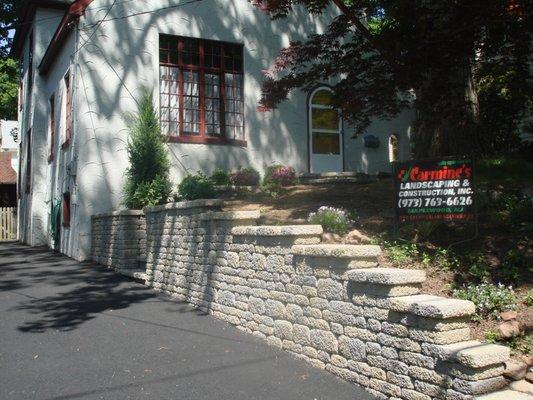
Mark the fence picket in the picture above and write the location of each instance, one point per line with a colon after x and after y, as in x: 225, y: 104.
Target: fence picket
x: 8, y: 223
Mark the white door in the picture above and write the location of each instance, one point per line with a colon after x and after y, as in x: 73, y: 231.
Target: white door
x: 325, y: 133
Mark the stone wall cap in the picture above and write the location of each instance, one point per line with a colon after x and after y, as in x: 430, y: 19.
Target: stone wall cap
x: 181, y: 205
x: 119, y: 213
x: 434, y: 306
x: 230, y: 215
x: 274, y: 230
x: 337, y: 250
x: 475, y: 354
x: 386, y: 276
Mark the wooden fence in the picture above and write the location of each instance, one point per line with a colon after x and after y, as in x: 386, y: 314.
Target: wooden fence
x: 8, y: 223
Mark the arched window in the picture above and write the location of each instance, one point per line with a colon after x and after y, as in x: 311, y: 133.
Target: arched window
x: 393, y: 148
x: 325, y: 132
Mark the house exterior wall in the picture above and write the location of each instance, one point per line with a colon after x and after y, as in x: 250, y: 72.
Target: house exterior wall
x: 111, y: 61
x: 35, y: 206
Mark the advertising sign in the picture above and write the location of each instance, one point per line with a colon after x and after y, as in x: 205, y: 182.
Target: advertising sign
x: 429, y: 190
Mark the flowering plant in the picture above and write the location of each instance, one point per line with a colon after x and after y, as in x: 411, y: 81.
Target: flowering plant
x: 280, y: 175
x: 490, y: 299
x: 245, y: 177
x: 334, y: 220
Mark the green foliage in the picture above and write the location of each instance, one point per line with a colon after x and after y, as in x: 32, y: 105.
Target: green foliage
x: 9, y: 11
x: 492, y: 336
x: 515, y: 266
x: 220, y: 177
x: 334, y: 220
x: 151, y: 193
x: 490, y: 300
x: 443, y: 259
x: 197, y: 186
x: 9, y: 73
x: 528, y: 298
x: 401, y: 254
x: 504, y: 170
x: 280, y: 175
x: 478, y: 267
x: 248, y: 176
x: 147, y: 181
x: 504, y: 96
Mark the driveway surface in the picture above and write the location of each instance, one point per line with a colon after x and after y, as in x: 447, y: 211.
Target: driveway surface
x: 80, y: 331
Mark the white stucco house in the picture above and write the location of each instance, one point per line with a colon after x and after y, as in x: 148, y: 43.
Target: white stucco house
x: 84, y: 63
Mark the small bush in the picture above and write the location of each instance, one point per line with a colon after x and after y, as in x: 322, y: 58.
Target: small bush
x: 334, y: 220
x: 150, y: 193
x: 194, y: 187
x: 245, y: 177
x: 490, y: 300
x: 220, y: 177
x: 403, y: 253
x: 280, y: 175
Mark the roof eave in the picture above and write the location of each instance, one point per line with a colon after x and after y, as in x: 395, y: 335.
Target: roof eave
x: 26, y: 16
x: 75, y: 11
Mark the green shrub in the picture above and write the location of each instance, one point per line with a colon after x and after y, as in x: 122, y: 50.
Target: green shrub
x: 151, y: 193
x: 197, y: 186
x: 280, y: 175
x: 220, y: 177
x: 514, y: 266
x: 478, y: 267
x: 490, y: 300
x: 147, y: 181
x: 402, y: 253
x: 245, y: 177
x: 334, y: 220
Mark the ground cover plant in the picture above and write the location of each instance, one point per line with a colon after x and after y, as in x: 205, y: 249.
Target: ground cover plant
x: 333, y: 220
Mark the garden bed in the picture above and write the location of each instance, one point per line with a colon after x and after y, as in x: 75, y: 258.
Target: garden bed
x: 502, y: 251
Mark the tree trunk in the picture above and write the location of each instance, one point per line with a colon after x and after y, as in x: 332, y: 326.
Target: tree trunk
x: 447, y: 114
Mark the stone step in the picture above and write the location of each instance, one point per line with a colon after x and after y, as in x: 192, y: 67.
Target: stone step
x: 506, y: 394
x: 385, y: 282
x: 230, y: 215
x: 433, y: 306
x: 338, y: 251
x: 472, y: 353
x: 138, y: 275
x: 275, y: 230
x: 387, y: 276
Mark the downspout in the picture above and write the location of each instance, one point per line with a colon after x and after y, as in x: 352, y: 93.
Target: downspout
x: 75, y: 141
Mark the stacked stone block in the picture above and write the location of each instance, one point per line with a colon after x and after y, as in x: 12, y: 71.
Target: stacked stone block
x: 119, y: 240
x: 331, y: 305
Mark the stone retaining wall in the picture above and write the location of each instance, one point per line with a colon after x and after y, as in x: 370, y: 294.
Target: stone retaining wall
x: 119, y: 240
x: 330, y: 305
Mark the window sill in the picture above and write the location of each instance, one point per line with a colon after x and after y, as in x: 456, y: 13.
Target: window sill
x: 65, y: 144
x: 207, y: 140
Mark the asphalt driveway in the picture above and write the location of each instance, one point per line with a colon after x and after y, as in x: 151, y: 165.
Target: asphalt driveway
x: 79, y: 331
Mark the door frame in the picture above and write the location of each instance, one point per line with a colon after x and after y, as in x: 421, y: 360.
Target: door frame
x: 310, y: 94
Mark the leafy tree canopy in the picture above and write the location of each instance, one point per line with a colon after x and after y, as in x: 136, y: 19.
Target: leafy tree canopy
x: 8, y: 67
x: 8, y: 88
x: 378, y: 52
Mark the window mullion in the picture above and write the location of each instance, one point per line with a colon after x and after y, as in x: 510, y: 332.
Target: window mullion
x: 180, y: 87
x: 222, y: 93
x: 202, y: 89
